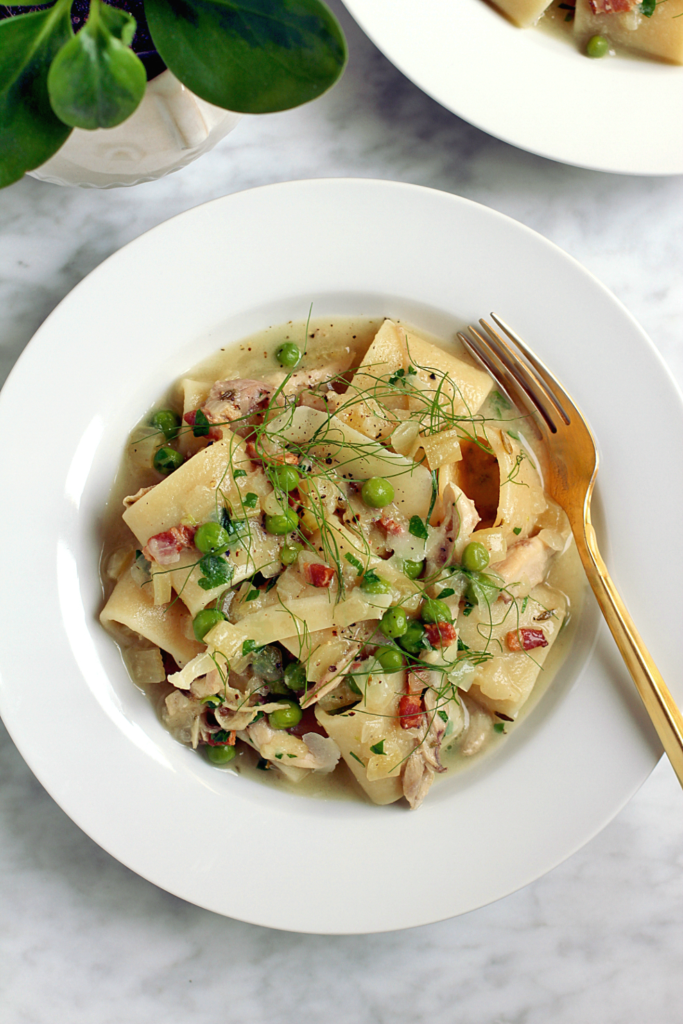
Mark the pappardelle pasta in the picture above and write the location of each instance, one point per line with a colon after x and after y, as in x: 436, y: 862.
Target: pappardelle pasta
x: 650, y: 28
x: 336, y: 557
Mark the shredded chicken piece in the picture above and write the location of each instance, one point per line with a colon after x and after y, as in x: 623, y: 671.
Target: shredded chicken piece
x: 233, y: 400
x: 525, y: 566
x: 312, y: 751
x: 449, y: 538
x: 479, y: 729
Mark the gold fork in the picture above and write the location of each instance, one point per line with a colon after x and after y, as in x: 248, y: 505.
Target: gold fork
x: 571, y: 473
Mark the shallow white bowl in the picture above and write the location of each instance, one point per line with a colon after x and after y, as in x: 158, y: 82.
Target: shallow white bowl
x: 531, y: 88
x: 218, y: 273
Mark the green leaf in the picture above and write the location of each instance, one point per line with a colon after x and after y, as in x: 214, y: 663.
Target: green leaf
x: 248, y: 646
x: 355, y: 562
x: 30, y: 131
x: 120, y: 23
x: 215, y: 572
x: 250, y: 500
x: 378, y: 748
x: 239, y: 473
x: 252, y: 56
x: 417, y: 528
x: 96, y: 81
x: 499, y: 402
x: 201, y: 426
x: 647, y: 8
x: 443, y: 715
x: 252, y: 595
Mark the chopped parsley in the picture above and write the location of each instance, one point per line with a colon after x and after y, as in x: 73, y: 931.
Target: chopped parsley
x: 235, y: 528
x: 499, y: 726
x: 499, y: 402
x: 418, y: 528
x: 516, y: 530
x: 248, y: 646
x: 355, y: 562
x: 252, y: 595
x: 201, y: 425
x: 378, y: 748
x: 448, y: 592
x: 249, y: 500
x: 216, y: 572
x: 239, y: 473
x: 443, y: 715
x: 371, y: 577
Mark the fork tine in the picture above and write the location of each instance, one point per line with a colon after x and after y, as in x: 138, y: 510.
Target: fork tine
x: 488, y: 356
x: 554, y: 388
x: 499, y: 351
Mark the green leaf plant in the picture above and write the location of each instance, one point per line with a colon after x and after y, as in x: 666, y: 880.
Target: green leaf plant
x: 250, y: 56
x: 96, y: 81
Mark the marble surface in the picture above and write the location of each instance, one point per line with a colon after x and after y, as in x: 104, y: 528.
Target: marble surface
x: 85, y: 941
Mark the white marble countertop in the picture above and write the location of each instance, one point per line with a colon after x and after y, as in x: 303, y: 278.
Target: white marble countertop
x: 85, y: 941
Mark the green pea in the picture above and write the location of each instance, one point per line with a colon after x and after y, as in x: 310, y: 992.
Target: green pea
x: 394, y: 622
x: 285, y: 477
x: 377, y: 492
x: 597, y: 46
x: 285, y: 523
x: 486, y: 586
x: 220, y: 755
x: 374, y: 585
x: 295, y: 676
x: 434, y: 610
x: 475, y: 557
x: 166, y: 460
x: 267, y: 664
x: 290, y: 553
x: 285, y: 718
x: 168, y: 422
x: 206, y: 620
x: 412, y: 569
x: 390, y: 658
x: 412, y: 640
x: 288, y: 354
x: 212, y: 539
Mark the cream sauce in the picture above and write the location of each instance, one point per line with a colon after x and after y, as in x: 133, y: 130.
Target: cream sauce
x: 252, y: 358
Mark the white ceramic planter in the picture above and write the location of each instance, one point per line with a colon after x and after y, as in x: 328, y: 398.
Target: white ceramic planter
x: 170, y: 129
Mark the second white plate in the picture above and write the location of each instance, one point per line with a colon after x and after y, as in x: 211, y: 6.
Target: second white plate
x: 532, y: 89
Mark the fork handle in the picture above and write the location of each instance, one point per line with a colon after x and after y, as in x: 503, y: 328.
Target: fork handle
x: 660, y: 705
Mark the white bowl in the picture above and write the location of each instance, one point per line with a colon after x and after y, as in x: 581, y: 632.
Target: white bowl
x: 532, y: 88
x: 171, y: 128
x: 214, y: 275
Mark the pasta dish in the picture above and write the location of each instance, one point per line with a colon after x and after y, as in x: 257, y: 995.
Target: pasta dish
x: 336, y: 559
